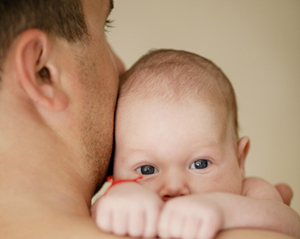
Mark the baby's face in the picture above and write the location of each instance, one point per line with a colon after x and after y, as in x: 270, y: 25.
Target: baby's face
x: 180, y: 148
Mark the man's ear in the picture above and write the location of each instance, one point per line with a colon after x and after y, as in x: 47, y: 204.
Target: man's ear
x: 242, y: 149
x: 37, y: 77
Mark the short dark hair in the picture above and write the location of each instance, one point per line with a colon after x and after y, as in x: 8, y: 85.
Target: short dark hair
x: 60, y: 18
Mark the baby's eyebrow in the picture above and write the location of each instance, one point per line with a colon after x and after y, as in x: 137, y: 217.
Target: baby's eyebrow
x: 137, y: 154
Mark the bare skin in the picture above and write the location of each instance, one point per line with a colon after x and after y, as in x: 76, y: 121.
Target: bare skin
x: 48, y: 126
x: 48, y: 153
x: 183, y: 201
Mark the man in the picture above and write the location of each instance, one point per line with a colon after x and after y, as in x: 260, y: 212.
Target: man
x: 58, y: 89
x: 58, y: 92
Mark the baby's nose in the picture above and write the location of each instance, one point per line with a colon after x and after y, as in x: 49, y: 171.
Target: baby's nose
x: 174, y: 188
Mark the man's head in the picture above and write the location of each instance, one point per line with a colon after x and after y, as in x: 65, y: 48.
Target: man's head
x: 60, y: 18
x: 176, y: 124
x: 59, y: 76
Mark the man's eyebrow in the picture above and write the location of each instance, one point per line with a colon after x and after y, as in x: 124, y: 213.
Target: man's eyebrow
x: 111, y: 6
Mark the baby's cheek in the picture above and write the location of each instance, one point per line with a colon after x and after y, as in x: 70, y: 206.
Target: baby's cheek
x: 229, y: 184
x: 121, y: 173
x: 235, y: 187
x: 151, y: 184
x: 208, y: 188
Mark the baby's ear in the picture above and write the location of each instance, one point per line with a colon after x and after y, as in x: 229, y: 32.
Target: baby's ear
x: 242, y: 150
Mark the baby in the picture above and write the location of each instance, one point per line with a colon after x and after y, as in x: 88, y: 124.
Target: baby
x: 176, y: 125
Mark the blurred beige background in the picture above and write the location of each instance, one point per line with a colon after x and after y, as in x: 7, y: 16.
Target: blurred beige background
x: 256, y: 43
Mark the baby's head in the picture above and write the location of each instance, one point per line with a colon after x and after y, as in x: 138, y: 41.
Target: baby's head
x: 176, y: 124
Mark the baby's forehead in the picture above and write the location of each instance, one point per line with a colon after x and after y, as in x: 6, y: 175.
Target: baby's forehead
x: 172, y: 103
x: 188, y: 113
x: 173, y: 88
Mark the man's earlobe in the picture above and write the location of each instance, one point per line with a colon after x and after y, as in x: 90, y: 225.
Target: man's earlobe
x: 242, y: 150
x: 37, y: 77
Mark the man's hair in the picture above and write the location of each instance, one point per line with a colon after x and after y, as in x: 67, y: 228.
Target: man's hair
x: 173, y: 74
x: 60, y: 18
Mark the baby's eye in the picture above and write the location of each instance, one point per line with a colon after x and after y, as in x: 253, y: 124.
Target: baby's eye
x: 147, y: 170
x: 200, y: 164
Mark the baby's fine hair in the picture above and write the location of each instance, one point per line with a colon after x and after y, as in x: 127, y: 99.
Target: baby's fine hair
x: 175, y: 75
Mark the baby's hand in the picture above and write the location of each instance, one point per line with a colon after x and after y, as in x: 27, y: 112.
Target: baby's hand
x: 128, y: 209
x: 192, y: 216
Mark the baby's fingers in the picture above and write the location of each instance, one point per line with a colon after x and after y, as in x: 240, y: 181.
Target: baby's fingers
x: 191, y: 226
x: 164, y: 223
x: 136, y: 223
x: 175, y: 227
x: 210, y: 226
x: 102, y: 216
x: 119, y: 222
x: 151, y: 222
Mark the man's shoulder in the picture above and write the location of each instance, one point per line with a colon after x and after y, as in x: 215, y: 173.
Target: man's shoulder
x: 78, y: 228
x: 72, y: 227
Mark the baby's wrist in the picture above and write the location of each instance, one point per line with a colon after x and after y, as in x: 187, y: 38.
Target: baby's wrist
x: 119, y: 181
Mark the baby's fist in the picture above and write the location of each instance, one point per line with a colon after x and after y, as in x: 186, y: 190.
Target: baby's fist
x: 193, y: 216
x: 128, y: 209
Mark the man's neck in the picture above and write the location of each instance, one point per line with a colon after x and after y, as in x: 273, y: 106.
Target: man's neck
x: 40, y: 169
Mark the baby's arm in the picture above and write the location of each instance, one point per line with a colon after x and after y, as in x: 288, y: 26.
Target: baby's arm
x: 128, y: 209
x: 285, y: 219
x: 260, y: 189
x: 203, y: 215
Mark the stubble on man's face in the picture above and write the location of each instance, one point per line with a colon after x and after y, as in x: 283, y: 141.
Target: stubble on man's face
x: 99, y: 83
x: 97, y: 121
